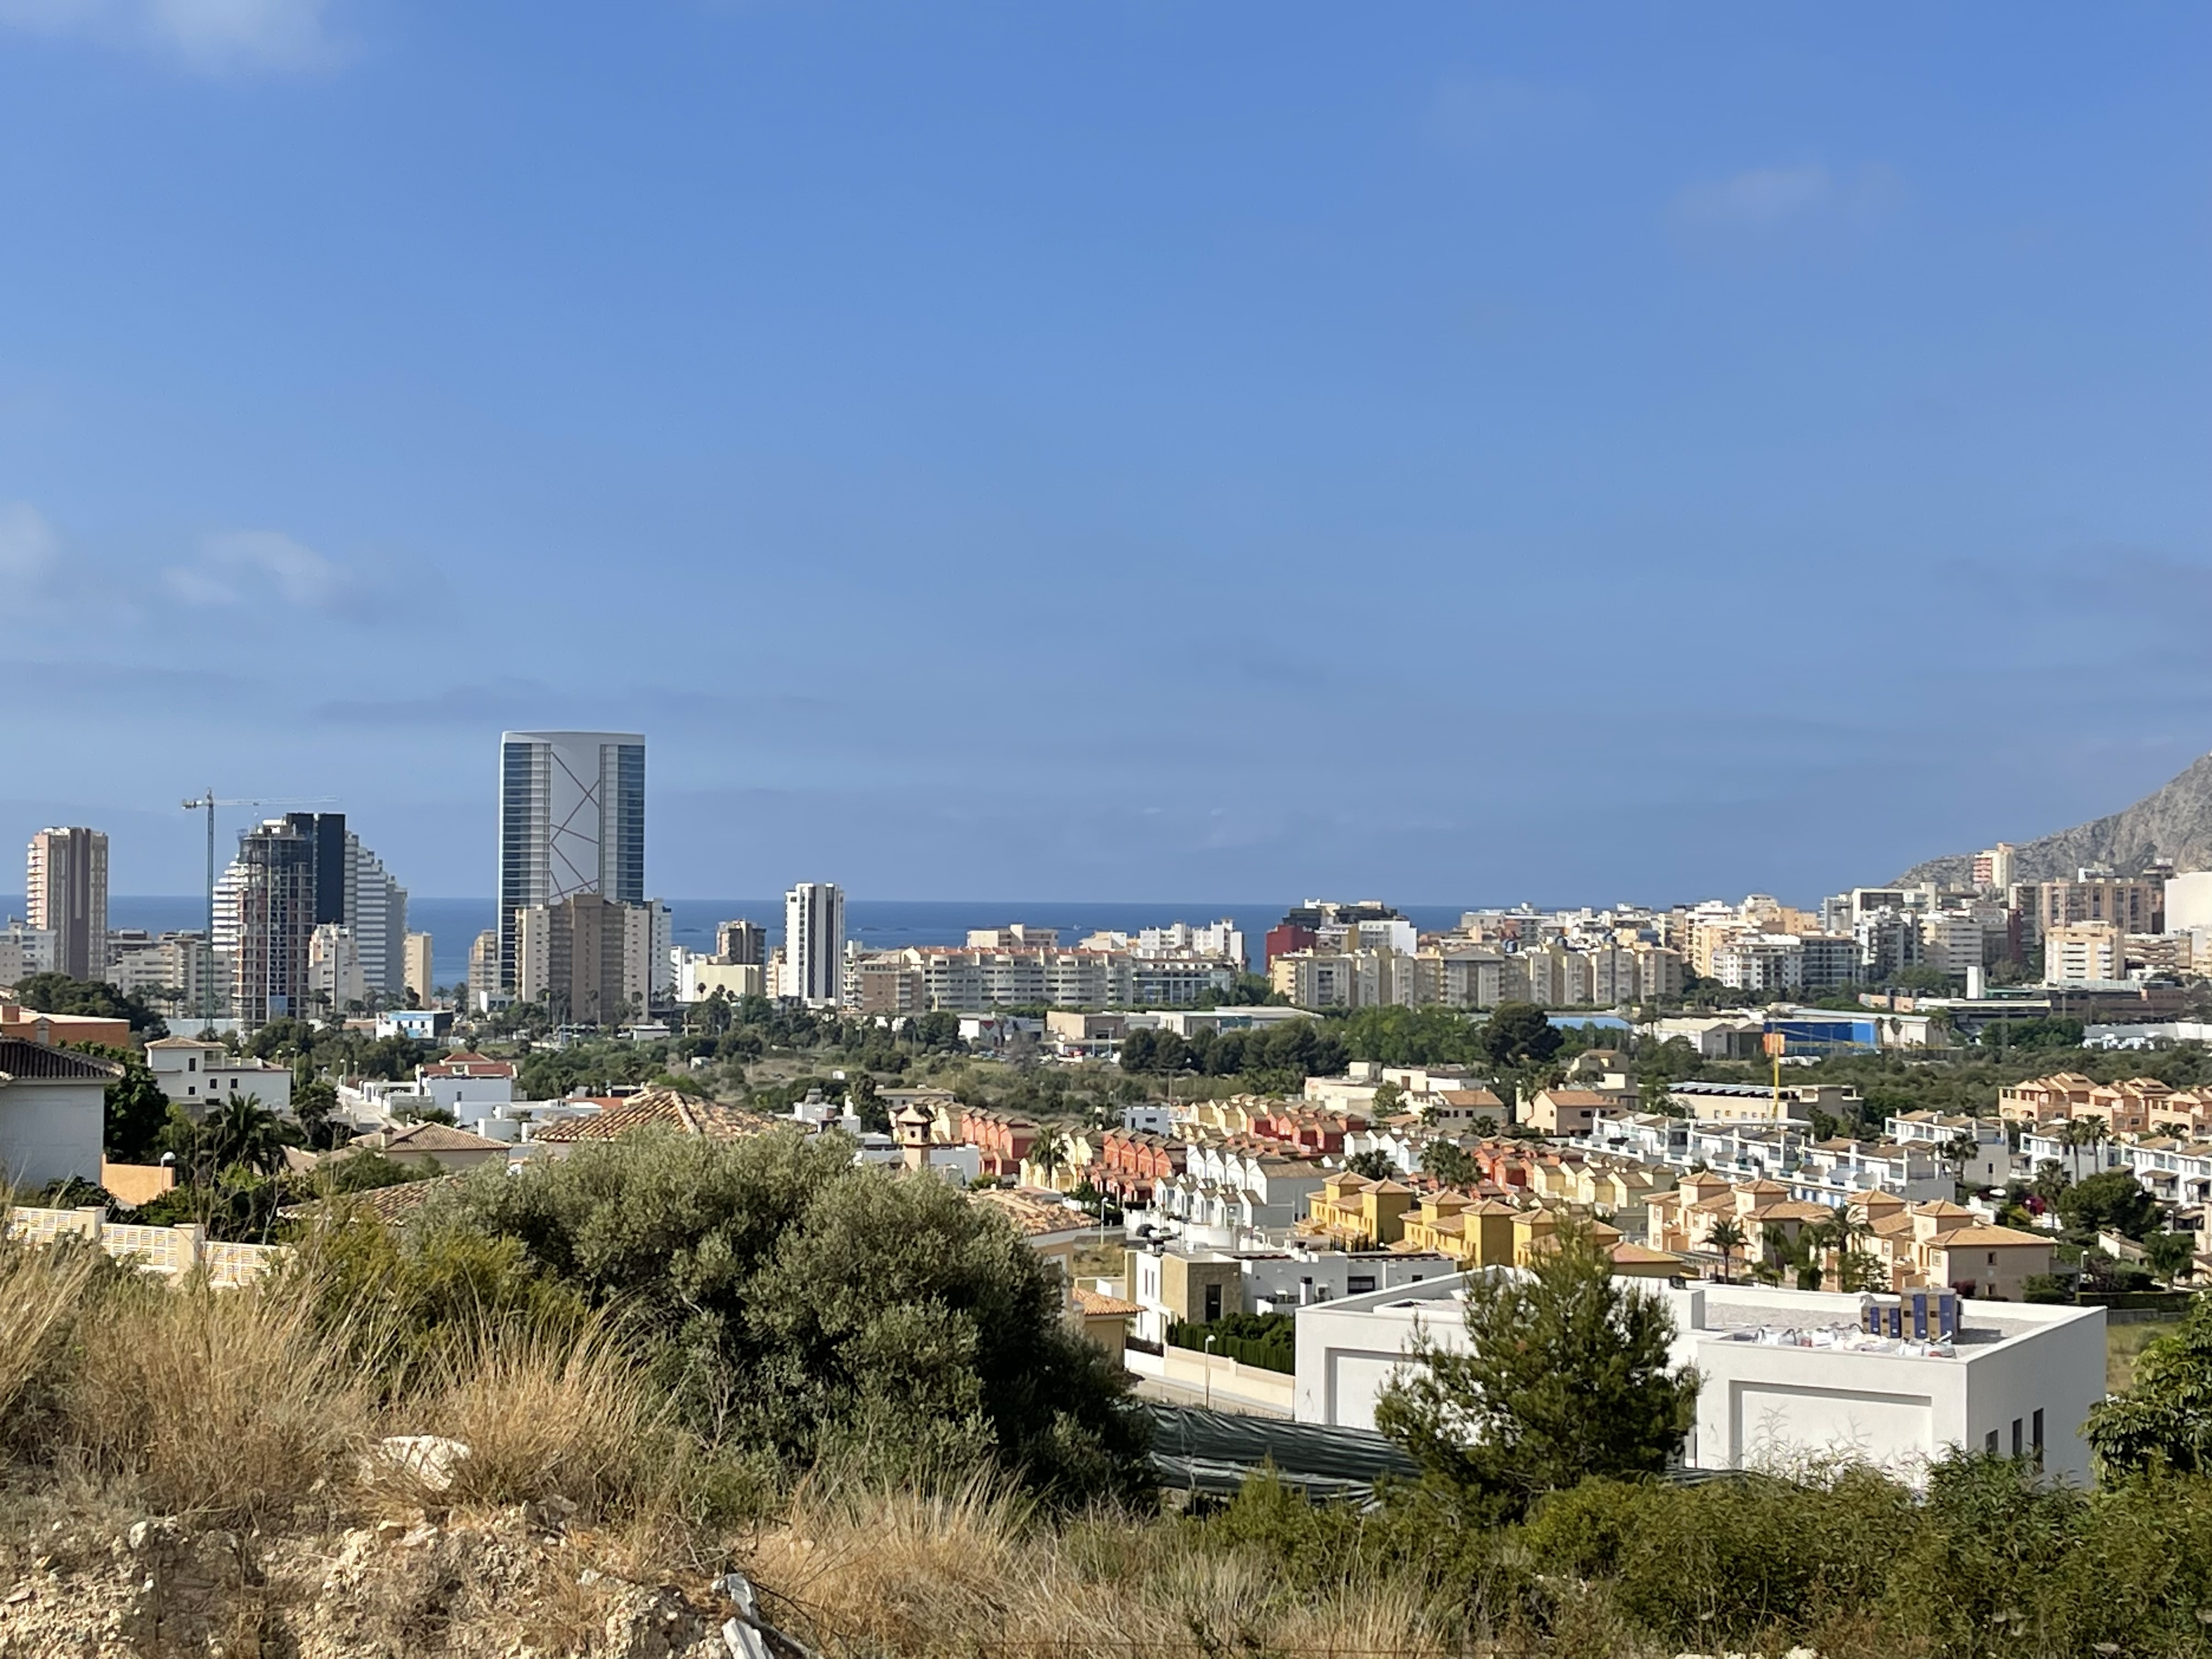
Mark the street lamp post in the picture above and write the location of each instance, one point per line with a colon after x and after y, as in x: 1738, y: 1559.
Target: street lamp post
x: 1210, y: 1341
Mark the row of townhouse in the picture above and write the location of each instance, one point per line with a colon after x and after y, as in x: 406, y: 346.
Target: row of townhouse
x: 2174, y: 1171
x: 1490, y: 1226
x: 1265, y: 1117
x: 1194, y: 1285
x: 2136, y: 1106
x: 1238, y: 1189
x: 1823, y: 1171
x: 1929, y: 1245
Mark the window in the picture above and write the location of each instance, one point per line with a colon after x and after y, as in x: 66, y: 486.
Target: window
x: 1990, y: 1443
x: 2016, y: 1446
x: 2038, y: 1436
x: 1213, y: 1308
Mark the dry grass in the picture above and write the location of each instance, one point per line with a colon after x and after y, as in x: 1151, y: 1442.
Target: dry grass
x: 224, y: 1403
x: 550, y: 1415
x: 2123, y: 1347
x: 38, y: 1288
x: 867, y: 1570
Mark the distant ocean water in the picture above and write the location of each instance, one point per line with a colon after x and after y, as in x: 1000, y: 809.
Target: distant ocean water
x: 878, y: 924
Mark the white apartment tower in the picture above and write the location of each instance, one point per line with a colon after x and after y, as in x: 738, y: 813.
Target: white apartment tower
x: 814, y: 943
x: 571, y: 820
x: 66, y: 893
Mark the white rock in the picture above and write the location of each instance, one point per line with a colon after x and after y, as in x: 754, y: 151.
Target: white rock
x: 430, y: 1458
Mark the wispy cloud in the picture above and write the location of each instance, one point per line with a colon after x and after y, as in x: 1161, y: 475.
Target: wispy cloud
x: 1484, y: 114
x: 253, y: 568
x: 30, y: 552
x: 1765, y: 201
x: 212, y: 36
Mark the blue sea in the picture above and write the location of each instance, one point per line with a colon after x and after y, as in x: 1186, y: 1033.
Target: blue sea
x: 878, y: 924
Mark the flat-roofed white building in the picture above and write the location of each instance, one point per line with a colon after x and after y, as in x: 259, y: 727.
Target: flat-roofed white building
x: 1789, y: 1374
x: 200, y: 1076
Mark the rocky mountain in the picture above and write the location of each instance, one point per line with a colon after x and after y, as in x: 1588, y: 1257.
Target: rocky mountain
x: 2174, y: 822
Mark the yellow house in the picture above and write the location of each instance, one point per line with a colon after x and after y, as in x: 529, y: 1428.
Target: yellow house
x: 1474, y: 1232
x: 1350, y: 1210
x: 1535, y: 1232
x: 1642, y: 1261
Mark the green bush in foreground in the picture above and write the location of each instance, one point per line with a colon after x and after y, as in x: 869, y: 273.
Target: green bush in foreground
x: 797, y: 1307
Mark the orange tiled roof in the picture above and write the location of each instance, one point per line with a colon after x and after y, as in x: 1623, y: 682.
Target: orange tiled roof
x: 667, y: 1109
x: 1097, y: 1304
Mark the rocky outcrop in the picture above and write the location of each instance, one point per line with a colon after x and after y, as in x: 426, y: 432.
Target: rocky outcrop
x: 2174, y: 822
x: 508, y: 1585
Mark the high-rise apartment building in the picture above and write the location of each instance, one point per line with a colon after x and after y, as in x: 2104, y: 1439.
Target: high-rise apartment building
x: 275, y: 893
x: 483, y: 971
x: 571, y: 820
x: 814, y: 943
x: 293, y: 875
x: 587, y: 960
x: 376, y: 911
x: 741, y: 942
x: 67, y: 896
x: 417, y: 970
x: 1993, y: 868
x: 2133, y: 905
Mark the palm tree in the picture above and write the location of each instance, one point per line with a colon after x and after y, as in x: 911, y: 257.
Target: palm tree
x: 243, y: 1131
x: 1726, y: 1237
x: 1049, y: 1154
x: 1958, y: 1152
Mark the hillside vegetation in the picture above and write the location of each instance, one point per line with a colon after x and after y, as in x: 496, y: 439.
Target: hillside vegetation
x: 646, y: 1367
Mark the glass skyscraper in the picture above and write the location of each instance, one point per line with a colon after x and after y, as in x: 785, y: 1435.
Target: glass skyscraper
x: 571, y: 820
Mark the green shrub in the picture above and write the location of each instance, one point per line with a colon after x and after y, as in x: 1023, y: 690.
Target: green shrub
x: 795, y: 1305
x: 1266, y: 1340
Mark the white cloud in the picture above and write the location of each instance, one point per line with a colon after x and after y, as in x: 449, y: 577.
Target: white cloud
x: 254, y: 567
x: 30, y: 552
x: 1759, y: 197
x: 211, y: 35
x: 1764, y: 199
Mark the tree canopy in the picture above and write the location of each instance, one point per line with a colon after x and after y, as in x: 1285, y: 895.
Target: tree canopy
x: 2111, y: 1200
x: 2165, y: 1420
x: 809, y: 1308
x: 1520, y: 1034
x: 59, y: 993
x: 1564, y: 1376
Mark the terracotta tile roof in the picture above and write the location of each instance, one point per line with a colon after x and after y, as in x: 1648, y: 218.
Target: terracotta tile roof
x: 385, y: 1204
x: 667, y: 1109
x: 1975, y: 1236
x: 1034, y: 1214
x: 1096, y: 1304
x: 431, y: 1137
x: 1640, y: 1253
x: 1795, y: 1211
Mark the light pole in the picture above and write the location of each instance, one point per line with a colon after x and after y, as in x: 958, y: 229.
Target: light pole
x: 1210, y: 1341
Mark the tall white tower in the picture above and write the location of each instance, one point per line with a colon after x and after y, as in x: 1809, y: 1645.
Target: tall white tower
x: 814, y: 943
x: 571, y: 820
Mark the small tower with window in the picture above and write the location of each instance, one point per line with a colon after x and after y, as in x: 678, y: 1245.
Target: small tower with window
x: 911, y: 1128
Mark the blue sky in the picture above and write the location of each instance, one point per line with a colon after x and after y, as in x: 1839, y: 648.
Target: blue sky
x: 1138, y: 450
